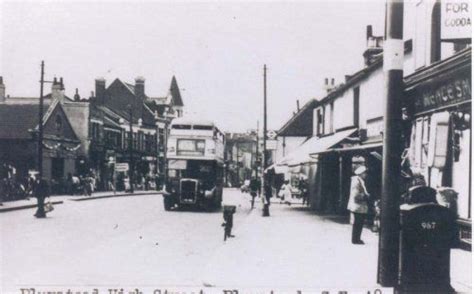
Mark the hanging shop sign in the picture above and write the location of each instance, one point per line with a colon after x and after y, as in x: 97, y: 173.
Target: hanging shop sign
x: 272, y: 144
x: 177, y: 164
x: 455, y: 20
x: 442, y: 94
x: 121, y: 167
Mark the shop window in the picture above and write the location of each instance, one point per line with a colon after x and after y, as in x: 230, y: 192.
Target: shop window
x: 425, y: 139
x: 419, y: 146
x: 438, y: 145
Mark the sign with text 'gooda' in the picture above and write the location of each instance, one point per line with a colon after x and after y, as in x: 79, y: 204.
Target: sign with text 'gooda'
x: 455, y: 20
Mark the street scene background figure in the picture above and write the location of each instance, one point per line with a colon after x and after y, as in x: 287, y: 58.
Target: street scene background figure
x: 254, y: 190
x: 228, y: 223
x: 357, y: 203
x: 285, y: 192
x: 41, y: 191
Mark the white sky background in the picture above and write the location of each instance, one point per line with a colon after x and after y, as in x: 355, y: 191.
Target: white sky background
x: 216, y: 50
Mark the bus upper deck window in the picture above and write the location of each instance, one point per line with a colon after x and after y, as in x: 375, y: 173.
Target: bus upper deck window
x: 181, y: 127
x: 202, y: 127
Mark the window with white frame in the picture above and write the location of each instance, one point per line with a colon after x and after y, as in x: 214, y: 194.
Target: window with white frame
x: 421, y: 34
x: 319, y: 121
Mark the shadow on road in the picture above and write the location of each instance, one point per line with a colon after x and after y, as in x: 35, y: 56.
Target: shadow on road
x: 340, y: 219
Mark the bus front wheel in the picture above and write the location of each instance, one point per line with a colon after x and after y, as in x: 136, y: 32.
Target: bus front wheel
x: 167, y: 203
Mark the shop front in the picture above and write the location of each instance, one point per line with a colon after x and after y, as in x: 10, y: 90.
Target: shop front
x: 439, y: 99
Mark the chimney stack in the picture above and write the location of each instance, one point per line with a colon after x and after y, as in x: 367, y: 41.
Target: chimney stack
x: 56, y: 90
x: 298, y: 105
x: 329, y: 84
x: 374, y: 46
x: 99, y: 90
x: 2, y: 90
x: 77, y: 97
x: 140, y: 87
x: 369, y: 33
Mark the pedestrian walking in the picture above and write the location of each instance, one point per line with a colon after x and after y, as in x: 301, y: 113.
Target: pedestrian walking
x: 41, y: 191
x: 228, y: 223
x: 254, y: 190
x: 357, y: 203
x: 285, y: 193
x: 303, y: 187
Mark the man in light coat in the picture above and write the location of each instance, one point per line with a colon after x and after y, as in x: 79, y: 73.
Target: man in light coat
x: 357, y: 203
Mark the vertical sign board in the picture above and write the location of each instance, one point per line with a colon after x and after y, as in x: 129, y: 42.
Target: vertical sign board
x: 455, y: 20
x: 272, y: 144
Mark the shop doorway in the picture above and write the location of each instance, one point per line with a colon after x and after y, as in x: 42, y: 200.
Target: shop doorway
x: 57, y: 168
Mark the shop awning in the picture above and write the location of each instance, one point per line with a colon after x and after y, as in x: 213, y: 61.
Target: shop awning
x: 360, y: 147
x: 279, y: 169
x: 314, y: 145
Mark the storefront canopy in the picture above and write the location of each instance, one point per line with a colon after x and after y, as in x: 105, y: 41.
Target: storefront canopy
x: 279, y: 169
x: 314, y: 145
x: 361, y: 147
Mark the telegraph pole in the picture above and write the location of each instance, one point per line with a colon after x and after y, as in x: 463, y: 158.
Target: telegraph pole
x: 266, y: 197
x: 256, y: 154
x: 40, y: 125
x: 392, y: 145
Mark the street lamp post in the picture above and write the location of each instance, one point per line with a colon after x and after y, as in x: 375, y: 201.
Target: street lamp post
x: 131, y: 169
x: 41, y: 188
x: 266, y: 200
x: 256, y: 154
x: 40, y: 125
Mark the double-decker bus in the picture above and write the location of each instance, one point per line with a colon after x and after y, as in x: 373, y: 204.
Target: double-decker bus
x: 195, y: 157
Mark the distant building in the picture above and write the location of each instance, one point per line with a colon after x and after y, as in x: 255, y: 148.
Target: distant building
x: 240, y: 156
x: 338, y: 132
x: 19, y: 130
x: 111, y: 111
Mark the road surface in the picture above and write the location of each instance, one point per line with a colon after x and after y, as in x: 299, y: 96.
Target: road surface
x: 132, y: 242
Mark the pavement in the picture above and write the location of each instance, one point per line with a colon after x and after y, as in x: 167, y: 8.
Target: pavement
x: 295, y: 248
x: 59, y: 199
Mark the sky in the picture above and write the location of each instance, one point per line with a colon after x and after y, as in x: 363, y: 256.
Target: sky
x: 216, y: 50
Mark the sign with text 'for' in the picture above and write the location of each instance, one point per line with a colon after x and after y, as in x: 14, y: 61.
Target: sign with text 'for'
x: 455, y: 20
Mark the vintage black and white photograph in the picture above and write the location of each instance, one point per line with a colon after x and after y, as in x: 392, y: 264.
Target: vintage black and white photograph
x: 266, y: 147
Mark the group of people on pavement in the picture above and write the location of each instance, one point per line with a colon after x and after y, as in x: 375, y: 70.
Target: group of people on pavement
x: 286, y: 193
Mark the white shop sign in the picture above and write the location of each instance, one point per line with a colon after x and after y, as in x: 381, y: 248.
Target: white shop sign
x: 121, y: 167
x: 272, y: 144
x: 177, y: 164
x: 455, y: 20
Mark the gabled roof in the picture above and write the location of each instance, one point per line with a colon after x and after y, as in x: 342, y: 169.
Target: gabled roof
x: 175, y: 93
x: 302, y: 118
x: 16, y: 120
x: 362, y: 74
x: 301, y: 123
x: 49, y: 96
